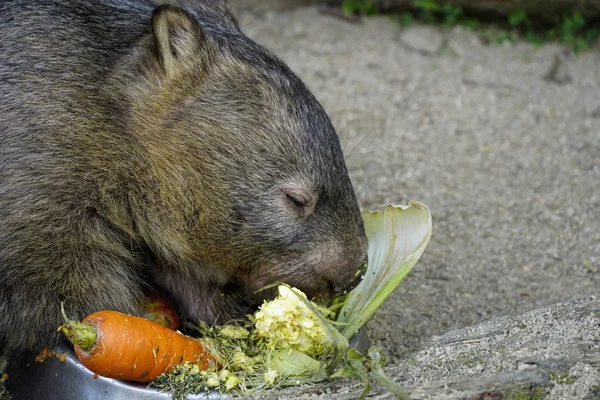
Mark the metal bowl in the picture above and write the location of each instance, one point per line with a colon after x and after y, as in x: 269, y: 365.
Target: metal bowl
x: 70, y: 380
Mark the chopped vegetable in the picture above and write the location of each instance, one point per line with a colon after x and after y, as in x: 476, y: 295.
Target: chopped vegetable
x: 44, y: 355
x: 397, y: 237
x: 121, y: 346
x: 287, y: 323
x: 291, y: 340
x: 161, y: 310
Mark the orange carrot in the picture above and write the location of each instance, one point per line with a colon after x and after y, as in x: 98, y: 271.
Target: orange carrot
x: 161, y: 310
x: 125, y: 347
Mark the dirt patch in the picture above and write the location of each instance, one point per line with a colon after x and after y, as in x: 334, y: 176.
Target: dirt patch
x: 508, y: 161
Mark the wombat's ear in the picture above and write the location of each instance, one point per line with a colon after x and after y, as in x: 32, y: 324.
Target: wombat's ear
x: 179, y: 40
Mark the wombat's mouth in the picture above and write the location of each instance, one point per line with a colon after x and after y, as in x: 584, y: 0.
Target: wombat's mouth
x: 354, y: 282
x: 317, y: 288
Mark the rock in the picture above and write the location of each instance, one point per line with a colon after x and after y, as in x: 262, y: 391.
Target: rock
x: 424, y: 39
x: 554, y: 351
x: 558, y: 71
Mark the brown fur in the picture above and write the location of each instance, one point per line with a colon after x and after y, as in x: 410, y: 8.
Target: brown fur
x: 159, y: 148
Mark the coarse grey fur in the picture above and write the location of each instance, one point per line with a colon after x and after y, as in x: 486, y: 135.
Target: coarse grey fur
x: 144, y: 146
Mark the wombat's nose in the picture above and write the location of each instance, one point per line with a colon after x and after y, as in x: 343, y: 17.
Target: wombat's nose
x: 358, y: 277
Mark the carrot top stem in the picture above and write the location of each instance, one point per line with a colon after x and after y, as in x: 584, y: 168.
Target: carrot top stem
x: 83, y: 335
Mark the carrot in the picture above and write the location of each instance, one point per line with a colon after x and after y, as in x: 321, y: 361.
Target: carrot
x: 121, y: 346
x: 161, y: 310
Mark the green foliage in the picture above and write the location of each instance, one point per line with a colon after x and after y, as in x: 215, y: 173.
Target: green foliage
x: 572, y: 30
x: 504, y: 36
x: 563, y: 378
x: 471, y: 23
x: 4, y: 394
x: 427, y: 10
x: 452, y: 14
x: 406, y: 19
x: 518, y: 18
x: 363, y: 7
x: 434, y: 12
x: 532, y: 393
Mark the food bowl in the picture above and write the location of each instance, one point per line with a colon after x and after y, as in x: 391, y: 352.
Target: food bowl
x: 70, y: 380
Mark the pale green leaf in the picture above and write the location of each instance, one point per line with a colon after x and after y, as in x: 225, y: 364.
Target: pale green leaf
x: 397, y: 237
x: 356, y: 362
x: 293, y: 363
x: 340, y: 343
x: 379, y: 375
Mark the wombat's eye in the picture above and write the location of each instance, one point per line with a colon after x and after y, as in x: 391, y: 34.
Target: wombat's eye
x: 296, y: 198
x: 298, y: 201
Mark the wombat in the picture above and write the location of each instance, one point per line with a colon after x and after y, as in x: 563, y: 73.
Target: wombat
x: 145, y: 145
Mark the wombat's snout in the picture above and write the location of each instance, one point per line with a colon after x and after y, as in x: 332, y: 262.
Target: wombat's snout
x: 350, y: 268
x: 358, y: 277
x: 326, y: 272
x: 343, y: 266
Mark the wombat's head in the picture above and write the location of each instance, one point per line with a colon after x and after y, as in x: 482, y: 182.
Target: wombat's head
x: 247, y: 162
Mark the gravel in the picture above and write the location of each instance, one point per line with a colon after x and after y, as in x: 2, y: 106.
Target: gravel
x: 502, y: 142
x: 507, y: 160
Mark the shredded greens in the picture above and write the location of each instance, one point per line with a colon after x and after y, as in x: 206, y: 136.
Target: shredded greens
x: 291, y: 340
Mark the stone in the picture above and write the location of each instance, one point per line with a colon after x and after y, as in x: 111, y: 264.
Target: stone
x: 423, y: 39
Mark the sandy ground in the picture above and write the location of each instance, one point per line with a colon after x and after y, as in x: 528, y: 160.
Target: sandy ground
x: 508, y: 162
